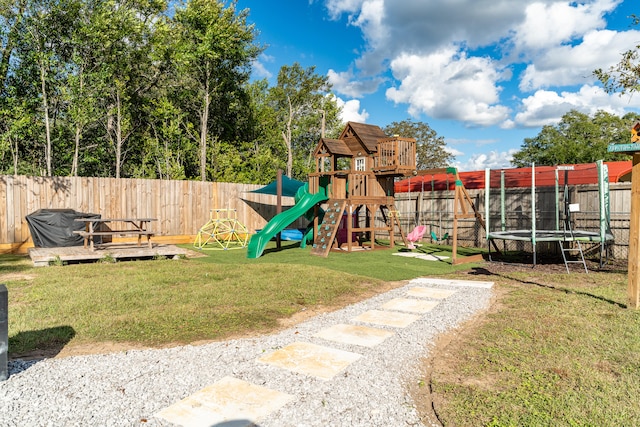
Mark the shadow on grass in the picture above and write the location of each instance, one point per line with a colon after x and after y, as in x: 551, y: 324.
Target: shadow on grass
x: 284, y: 245
x: 40, y: 344
x: 14, y: 263
x: 479, y: 271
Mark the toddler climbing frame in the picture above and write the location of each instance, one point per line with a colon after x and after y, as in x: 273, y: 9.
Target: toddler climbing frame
x: 223, y: 231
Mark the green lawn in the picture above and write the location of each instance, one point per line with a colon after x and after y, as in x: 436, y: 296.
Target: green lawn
x: 557, y: 350
x: 164, y: 302
x: 554, y: 350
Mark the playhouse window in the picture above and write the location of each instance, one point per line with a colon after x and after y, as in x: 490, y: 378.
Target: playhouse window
x: 360, y: 163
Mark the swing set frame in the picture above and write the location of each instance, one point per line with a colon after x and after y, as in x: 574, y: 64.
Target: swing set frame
x: 463, y: 209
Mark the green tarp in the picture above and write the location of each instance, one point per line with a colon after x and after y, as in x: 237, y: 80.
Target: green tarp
x: 289, y: 187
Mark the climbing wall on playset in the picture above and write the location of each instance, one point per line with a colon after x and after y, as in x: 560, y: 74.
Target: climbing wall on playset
x: 328, y: 228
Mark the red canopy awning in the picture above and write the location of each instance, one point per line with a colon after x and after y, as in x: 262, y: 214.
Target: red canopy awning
x: 516, y: 177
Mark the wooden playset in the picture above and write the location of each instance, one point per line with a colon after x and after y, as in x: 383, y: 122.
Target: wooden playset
x: 352, y: 193
x: 356, y: 172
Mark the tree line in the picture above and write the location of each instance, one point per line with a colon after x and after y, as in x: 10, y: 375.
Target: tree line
x: 162, y: 89
x: 148, y: 88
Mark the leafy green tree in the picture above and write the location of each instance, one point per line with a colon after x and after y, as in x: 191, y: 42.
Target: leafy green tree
x: 430, y: 150
x: 624, y: 77
x: 577, y: 138
x: 214, y: 51
x: 11, y: 16
x: 264, y: 149
x: 300, y: 99
x: 47, y: 26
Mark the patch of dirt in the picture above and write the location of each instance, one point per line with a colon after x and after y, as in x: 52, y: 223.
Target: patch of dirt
x: 16, y: 276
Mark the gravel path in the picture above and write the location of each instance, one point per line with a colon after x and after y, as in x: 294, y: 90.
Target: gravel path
x: 130, y: 388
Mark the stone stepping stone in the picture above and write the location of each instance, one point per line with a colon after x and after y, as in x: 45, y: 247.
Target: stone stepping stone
x: 410, y: 305
x: 387, y: 318
x: 421, y: 292
x: 228, y: 401
x: 355, y: 334
x: 310, y: 359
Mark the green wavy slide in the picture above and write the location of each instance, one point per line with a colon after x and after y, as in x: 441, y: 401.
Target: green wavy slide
x: 304, y: 202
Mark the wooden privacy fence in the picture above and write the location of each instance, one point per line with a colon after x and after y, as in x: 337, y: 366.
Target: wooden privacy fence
x: 181, y: 207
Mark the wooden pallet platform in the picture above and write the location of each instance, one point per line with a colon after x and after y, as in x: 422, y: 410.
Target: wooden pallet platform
x: 41, y: 257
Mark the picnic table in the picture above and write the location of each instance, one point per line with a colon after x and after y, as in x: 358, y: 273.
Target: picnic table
x: 124, y: 227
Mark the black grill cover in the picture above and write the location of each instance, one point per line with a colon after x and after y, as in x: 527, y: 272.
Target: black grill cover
x: 52, y: 228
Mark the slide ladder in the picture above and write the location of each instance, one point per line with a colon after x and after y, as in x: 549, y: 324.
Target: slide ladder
x: 328, y: 228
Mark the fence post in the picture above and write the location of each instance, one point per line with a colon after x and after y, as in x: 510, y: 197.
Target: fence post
x: 4, y: 332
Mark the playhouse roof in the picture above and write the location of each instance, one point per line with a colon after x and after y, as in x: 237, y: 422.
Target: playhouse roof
x: 516, y: 177
x: 367, y: 135
x: 333, y: 146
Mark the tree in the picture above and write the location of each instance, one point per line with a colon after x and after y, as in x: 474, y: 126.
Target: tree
x: 214, y: 51
x: 577, y: 138
x: 624, y: 77
x: 430, y: 150
x: 47, y: 28
x: 299, y: 99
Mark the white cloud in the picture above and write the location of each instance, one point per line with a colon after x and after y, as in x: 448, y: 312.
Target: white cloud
x: 570, y: 65
x: 346, y: 84
x: 259, y: 70
x: 449, y: 85
x: 492, y: 160
x: 453, y: 60
x: 351, y: 111
x: 547, y: 107
x: 258, y: 67
x: 549, y: 24
x: 338, y: 7
x: 391, y: 27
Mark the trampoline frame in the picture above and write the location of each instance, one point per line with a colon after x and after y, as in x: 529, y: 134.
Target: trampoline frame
x: 533, y: 236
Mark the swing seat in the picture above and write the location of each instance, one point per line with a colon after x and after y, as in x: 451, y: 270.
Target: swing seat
x: 415, y: 235
x: 434, y: 237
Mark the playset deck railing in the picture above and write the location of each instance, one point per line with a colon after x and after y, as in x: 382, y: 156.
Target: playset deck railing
x: 396, y: 153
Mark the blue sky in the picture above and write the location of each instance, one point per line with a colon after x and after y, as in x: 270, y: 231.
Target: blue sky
x: 484, y: 74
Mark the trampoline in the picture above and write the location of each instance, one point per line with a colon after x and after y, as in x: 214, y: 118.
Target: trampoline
x: 550, y: 236
x: 569, y: 238
x: 560, y: 236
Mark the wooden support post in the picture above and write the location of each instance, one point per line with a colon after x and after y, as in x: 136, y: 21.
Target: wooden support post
x: 279, y: 204
x: 456, y: 206
x: 372, y: 211
x: 633, y: 291
x: 349, y: 227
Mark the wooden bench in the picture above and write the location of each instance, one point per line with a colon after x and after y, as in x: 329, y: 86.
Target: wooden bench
x: 140, y: 228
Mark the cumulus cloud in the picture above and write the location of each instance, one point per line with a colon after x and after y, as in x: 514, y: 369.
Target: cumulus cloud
x: 449, y: 85
x: 350, y: 111
x: 438, y: 54
x: 546, y: 107
x: 568, y: 65
x: 549, y: 24
x: 258, y: 67
x: 347, y: 84
x: 492, y: 160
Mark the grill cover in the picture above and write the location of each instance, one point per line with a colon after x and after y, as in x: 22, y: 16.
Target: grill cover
x: 51, y: 228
